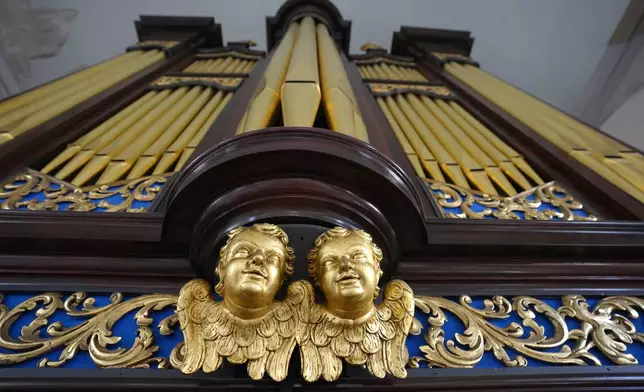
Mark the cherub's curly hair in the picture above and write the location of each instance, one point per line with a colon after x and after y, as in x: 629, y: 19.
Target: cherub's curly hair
x: 339, y: 232
x: 264, y: 228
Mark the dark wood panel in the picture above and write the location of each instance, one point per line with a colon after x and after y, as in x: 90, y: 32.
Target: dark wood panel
x: 91, y: 234
x: 522, y: 276
x: 534, y: 379
x: 80, y: 226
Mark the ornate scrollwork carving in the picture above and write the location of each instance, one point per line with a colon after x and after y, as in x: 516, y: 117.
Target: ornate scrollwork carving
x: 545, y: 202
x: 386, y: 89
x: 229, y: 53
x: 37, y: 191
x: 392, y: 60
x: 155, y: 43
x: 220, y: 83
x: 92, y: 334
x: 607, y: 327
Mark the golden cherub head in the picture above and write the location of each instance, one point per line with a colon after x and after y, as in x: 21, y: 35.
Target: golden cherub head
x: 345, y: 264
x: 253, y: 264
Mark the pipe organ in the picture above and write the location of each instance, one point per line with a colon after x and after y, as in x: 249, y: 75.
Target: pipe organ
x: 193, y: 213
x: 440, y: 138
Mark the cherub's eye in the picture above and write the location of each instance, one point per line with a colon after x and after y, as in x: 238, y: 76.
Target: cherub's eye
x: 327, y: 261
x: 241, y: 252
x: 359, y: 256
x: 273, y: 258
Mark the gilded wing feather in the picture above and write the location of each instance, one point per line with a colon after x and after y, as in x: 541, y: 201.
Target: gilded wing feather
x: 211, y: 332
x: 399, y: 298
x: 378, y: 343
x: 290, y: 320
x: 195, y: 309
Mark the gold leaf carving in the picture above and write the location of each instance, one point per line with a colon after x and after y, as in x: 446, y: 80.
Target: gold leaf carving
x: 93, y: 334
x: 391, y: 88
x: 57, y: 193
x: 156, y: 43
x: 452, y: 196
x: 229, y: 53
x: 607, y: 327
x: 223, y: 83
x: 249, y: 326
x: 400, y: 61
x: 349, y: 326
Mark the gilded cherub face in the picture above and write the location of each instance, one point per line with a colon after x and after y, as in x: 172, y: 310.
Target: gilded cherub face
x: 253, y: 265
x: 347, y: 269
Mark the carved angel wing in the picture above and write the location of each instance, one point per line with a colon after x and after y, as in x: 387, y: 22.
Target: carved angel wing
x: 212, y: 333
x: 378, y: 343
x: 395, y: 315
x: 195, y: 309
x: 291, y: 317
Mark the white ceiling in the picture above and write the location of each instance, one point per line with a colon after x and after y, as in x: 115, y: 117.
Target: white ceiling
x: 547, y: 47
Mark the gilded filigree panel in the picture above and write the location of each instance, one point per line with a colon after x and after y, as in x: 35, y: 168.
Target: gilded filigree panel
x: 220, y: 83
x: 80, y: 331
x: 525, y: 331
x: 387, y: 89
x: 549, y: 201
x: 32, y: 190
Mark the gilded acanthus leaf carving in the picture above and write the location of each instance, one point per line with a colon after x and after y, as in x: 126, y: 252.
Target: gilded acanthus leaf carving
x: 472, y: 204
x: 60, y: 195
x: 606, y: 327
x: 94, y: 334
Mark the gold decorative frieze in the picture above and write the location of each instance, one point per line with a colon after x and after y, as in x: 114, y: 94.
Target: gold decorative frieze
x: 400, y: 61
x: 220, y: 83
x: 37, y: 191
x: 549, y: 201
x: 230, y: 53
x: 156, y: 43
x: 516, y: 332
x: 607, y: 326
x: 386, y: 89
x: 94, y: 333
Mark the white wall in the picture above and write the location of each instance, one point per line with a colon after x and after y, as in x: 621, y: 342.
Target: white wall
x: 627, y: 122
x: 547, y: 47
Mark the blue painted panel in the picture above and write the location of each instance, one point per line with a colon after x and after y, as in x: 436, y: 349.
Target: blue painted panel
x: 33, y: 190
x: 545, y: 202
x: 126, y: 328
